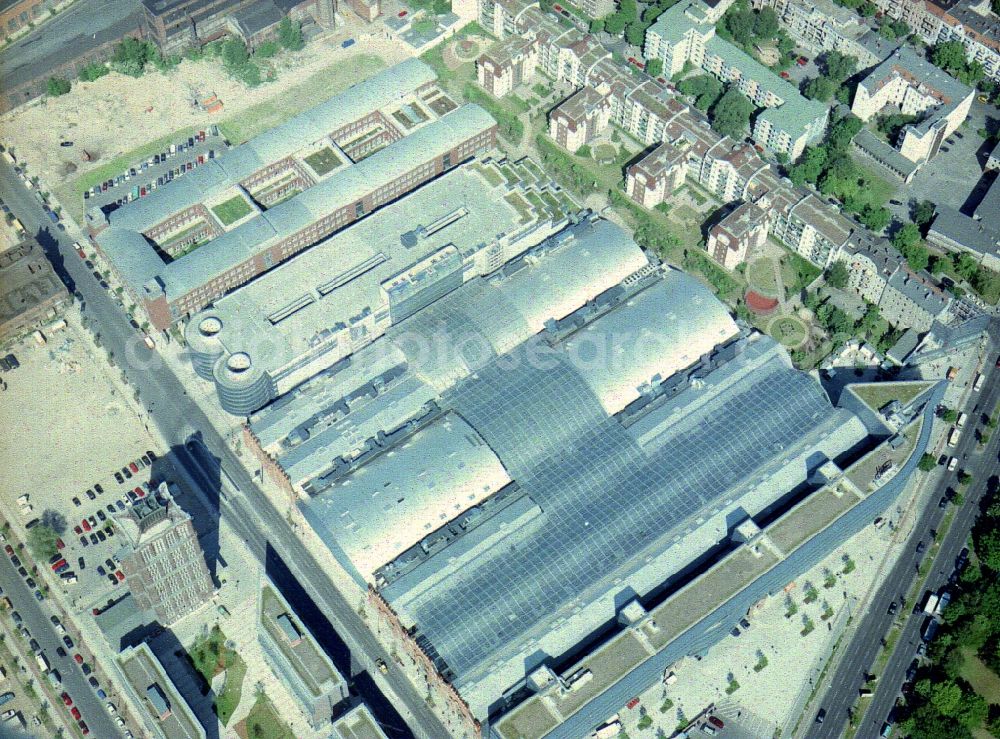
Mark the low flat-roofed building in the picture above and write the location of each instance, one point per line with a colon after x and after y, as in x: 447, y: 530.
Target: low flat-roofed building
x: 358, y: 723
x: 955, y: 231
x: 321, y: 306
x: 163, y: 711
x: 30, y: 291
x: 124, y: 624
x: 298, y: 659
x: 885, y: 155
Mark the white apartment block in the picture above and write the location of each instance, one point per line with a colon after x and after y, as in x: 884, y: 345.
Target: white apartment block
x: 909, y: 83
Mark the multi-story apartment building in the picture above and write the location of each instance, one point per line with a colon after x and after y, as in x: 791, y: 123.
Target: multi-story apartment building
x: 970, y: 22
x: 580, y: 118
x: 737, y: 235
x: 734, y: 172
x: 821, y: 25
x: 684, y: 34
x: 879, y: 274
x: 351, y: 154
x: 916, y: 87
x: 163, y: 562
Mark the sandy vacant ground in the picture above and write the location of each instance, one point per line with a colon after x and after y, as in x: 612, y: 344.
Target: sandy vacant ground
x: 117, y: 114
x: 70, y: 424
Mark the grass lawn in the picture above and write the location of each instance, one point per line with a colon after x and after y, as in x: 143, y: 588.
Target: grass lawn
x: 323, y: 161
x: 788, y: 330
x: 797, y: 271
x: 605, y: 153
x: 983, y: 680
x: 320, y: 86
x: 877, y: 395
x: 263, y: 721
x: 227, y: 701
x: 760, y: 276
x: 232, y: 210
x: 210, y: 656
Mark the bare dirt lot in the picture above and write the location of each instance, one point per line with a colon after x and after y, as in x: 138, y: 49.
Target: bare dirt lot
x: 70, y: 422
x: 118, y: 119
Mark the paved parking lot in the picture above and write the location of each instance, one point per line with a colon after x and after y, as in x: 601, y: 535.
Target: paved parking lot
x: 66, y: 454
x: 952, y: 176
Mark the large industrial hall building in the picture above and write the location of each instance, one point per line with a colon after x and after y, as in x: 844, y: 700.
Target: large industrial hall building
x: 202, y: 235
x: 531, y: 443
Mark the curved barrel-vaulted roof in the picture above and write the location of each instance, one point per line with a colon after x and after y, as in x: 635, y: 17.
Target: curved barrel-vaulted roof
x: 406, y: 493
x: 652, y: 335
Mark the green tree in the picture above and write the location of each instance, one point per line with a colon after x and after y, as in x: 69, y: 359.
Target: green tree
x: 93, y: 71
x: 949, y: 56
x: 765, y: 25
x: 876, y: 218
x: 267, y: 49
x: 837, y: 66
x: 923, y: 213
x: 908, y: 241
x: 597, y: 26
x: 837, y: 276
x: 130, y: 57
x: 964, y: 478
x: 42, y: 541
x: 819, y: 88
x: 615, y: 23
x: 731, y: 114
x: 927, y: 463
x: 290, y: 34
x: 705, y: 88
x: 949, y: 415
x: 57, y: 86
x: 654, y: 67
x: 635, y: 32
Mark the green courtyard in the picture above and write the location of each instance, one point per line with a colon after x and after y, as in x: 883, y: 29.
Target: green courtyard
x: 232, y: 210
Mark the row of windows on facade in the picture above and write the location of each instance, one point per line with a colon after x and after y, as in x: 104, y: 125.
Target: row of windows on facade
x: 14, y: 23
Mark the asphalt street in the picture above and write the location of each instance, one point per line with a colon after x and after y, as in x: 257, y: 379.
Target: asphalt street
x: 36, y: 619
x: 178, y: 418
x: 81, y: 26
x: 860, y: 652
x: 980, y: 465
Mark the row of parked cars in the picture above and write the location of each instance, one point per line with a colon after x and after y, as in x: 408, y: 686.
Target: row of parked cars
x: 150, y: 184
x: 22, y: 570
x: 133, y: 467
